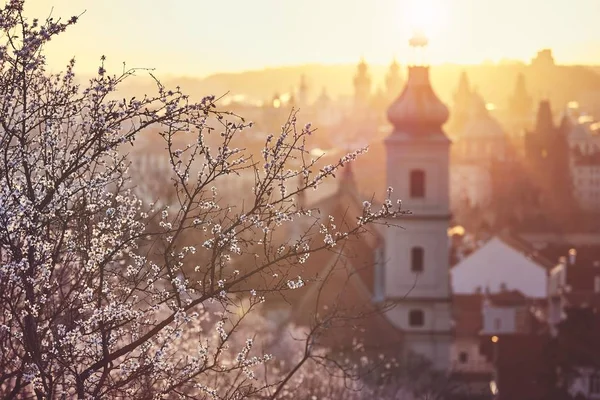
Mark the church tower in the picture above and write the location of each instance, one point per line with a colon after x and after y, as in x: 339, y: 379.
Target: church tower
x: 416, y: 248
x: 393, y: 81
x: 362, y: 86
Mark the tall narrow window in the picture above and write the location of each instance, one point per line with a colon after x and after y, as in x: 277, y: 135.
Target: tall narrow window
x: 416, y: 318
x: 417, y: 183
x: 416, y: 259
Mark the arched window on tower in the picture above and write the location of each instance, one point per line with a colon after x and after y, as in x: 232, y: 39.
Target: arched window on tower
x: 417, y: 183
x: 416, y: 318
x: 417, y: 256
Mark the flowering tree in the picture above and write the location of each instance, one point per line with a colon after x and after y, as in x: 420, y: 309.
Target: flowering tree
x: 103, y: 296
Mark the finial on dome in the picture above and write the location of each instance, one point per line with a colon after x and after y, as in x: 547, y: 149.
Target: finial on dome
x: 418, y: 39
x: 418, y: 42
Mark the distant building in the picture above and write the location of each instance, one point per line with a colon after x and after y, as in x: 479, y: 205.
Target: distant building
x: 478, y: 318
x: 547, y: 349
x: 543, y: 59
x: 480, y: 143
x: 583, y: 137
x: 503, y: 263
x: 572, y: 284
x: 506, y: 312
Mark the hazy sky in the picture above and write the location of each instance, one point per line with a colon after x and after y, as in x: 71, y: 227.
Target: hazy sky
x: 198, y: 37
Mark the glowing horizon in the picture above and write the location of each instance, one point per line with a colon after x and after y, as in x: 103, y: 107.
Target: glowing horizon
x: 197, y: 38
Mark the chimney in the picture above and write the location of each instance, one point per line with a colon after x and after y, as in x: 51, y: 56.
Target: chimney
x: 572, y: 256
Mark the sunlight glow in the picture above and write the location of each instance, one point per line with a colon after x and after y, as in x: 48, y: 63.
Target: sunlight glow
x: 284, y: 98
x: 460, y: 31
x: 426, y: 16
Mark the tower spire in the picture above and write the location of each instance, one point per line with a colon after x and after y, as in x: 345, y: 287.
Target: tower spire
x: 521, y: 103
x: 463, y: 91
x: 393, y: 80
x: 544, y: 124
x: 461, y: 106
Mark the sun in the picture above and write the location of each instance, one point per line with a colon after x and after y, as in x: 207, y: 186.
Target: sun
x: 424, y: 16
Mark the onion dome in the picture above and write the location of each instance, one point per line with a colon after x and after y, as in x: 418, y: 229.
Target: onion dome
x: 418, y: 110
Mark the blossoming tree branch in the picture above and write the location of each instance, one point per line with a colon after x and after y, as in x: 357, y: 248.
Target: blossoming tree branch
x: 103, y: 295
